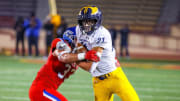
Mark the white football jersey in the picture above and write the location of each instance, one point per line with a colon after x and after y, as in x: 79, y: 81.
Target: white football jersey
x: 99, y: 38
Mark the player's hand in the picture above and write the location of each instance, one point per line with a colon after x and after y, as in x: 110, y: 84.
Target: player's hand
x: 92, y: 56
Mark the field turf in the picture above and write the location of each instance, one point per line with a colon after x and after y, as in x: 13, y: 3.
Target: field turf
x: 153, y: 80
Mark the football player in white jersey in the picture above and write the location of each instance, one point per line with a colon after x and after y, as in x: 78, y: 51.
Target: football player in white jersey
x: 107, y: 77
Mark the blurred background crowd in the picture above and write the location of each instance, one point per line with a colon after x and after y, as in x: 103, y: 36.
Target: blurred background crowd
x: 139, y: 28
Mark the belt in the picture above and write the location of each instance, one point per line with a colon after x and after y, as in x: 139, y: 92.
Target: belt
x: 105, y: 76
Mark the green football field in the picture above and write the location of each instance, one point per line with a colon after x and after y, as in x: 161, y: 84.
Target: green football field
x: 154, y: 80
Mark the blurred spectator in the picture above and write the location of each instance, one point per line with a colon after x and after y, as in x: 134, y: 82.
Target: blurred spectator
x: 61, y: 29
x: 48, y: 26
x: 113, y: 32
x: 19, y: 28
x: 124, y: 40
x: 33, y: 26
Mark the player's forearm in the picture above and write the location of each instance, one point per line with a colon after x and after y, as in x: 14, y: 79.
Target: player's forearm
x: 66, y: 57
x: 86, y: 65
x: 69, y: 58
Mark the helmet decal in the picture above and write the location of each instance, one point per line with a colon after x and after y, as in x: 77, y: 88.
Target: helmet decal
x: 70, y: 35
x: 92, y: 10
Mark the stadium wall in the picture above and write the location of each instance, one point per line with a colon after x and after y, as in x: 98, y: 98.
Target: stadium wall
x: 152, y: 46
x: 139, y: 45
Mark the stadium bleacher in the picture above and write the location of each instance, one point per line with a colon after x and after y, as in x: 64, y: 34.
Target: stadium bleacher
x: 139, y: 12
x: 134, y: 12
x: 10, y: 9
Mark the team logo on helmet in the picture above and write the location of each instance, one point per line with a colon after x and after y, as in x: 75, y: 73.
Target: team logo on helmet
x: 89, y: 9
x: 70, y: 36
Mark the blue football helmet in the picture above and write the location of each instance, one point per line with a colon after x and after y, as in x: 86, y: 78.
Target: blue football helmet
x: 70, y: 36
x: 90, y: 13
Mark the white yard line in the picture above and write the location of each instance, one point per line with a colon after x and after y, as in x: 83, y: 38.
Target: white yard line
x: 12, y: 71
x: 131, y: 80
x: 77, y: 93
x: 14, y: 90
x: 12, y: 77
x: 15, y: 83
x: 156, y: 84
x: 67, y: 86
x: 14, y: 98
x: 90, y: 94
x: 169, y: 98
x: 77, y: 100
x: 158, y: 90
x: 78, y: 85
x: 169, y: 83
x: 154, y: 75
x: 24, y: 98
